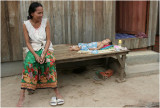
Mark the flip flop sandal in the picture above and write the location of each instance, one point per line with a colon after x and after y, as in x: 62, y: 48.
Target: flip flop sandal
x: 53, y: 101
x: 60, y: 101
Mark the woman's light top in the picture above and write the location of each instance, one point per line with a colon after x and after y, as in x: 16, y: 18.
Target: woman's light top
x: 37, y: 36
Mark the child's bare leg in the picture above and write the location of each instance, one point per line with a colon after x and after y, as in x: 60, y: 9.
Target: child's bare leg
x: 21, y: 98
x: 70, y: 48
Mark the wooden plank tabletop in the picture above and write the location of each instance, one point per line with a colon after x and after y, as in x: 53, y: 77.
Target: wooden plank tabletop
x: 63, y: 54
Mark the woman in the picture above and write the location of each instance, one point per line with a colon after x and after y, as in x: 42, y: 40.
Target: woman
x: 39, y: 65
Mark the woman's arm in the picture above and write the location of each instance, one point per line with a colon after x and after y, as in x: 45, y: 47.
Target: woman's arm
x: 47, y: 38
x: 47, y: 42
x: 28, y: 43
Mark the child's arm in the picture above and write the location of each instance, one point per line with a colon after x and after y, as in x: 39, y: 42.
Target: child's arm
x: 99, y: 47
x: 92, y: 48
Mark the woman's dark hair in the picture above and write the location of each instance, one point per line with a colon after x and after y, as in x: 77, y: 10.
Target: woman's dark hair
x: 32, y: 9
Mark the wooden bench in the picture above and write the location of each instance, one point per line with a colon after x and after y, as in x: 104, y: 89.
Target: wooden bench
x: 63, y: 54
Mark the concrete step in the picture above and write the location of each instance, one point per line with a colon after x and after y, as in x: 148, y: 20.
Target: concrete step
x: 11, y: 68
x: 142, y: 69
x: 142, y: 57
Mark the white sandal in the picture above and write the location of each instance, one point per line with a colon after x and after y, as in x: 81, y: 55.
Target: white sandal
x: 60, y: 101
x: 53, y: 101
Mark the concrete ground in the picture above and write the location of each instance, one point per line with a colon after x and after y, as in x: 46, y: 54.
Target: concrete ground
x: 82, y: 90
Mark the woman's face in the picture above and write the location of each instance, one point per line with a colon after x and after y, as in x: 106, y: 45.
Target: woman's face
x: 38, y: 14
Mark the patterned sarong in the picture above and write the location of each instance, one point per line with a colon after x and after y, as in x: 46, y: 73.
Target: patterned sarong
x: 37, y: 75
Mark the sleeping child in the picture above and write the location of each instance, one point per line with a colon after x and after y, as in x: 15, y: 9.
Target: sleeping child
x: 91, y: 46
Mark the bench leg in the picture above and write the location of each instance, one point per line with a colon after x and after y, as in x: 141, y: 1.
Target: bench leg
x: 122, y: 64
x: 106, y: 62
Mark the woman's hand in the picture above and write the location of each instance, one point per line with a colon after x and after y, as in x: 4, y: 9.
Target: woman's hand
x: 42, y: 58
x: 38, y: 59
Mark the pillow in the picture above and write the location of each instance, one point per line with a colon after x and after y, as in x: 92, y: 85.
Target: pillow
x: 107, y: 47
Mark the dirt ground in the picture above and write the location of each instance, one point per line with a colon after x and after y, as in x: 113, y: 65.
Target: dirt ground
x: 82, y: 90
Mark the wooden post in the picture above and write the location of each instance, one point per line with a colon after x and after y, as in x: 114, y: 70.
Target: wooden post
x: 122, y: 64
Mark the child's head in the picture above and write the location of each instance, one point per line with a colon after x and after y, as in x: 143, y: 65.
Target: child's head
x: 74, y: 48
x: 107, y: 42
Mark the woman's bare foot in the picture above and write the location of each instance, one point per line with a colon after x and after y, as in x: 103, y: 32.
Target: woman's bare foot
x: 20, y: 102
x: 59, y: 96
x: 21, y: 98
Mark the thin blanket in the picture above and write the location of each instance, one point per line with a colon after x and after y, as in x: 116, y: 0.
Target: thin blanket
x: 86, y: 46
